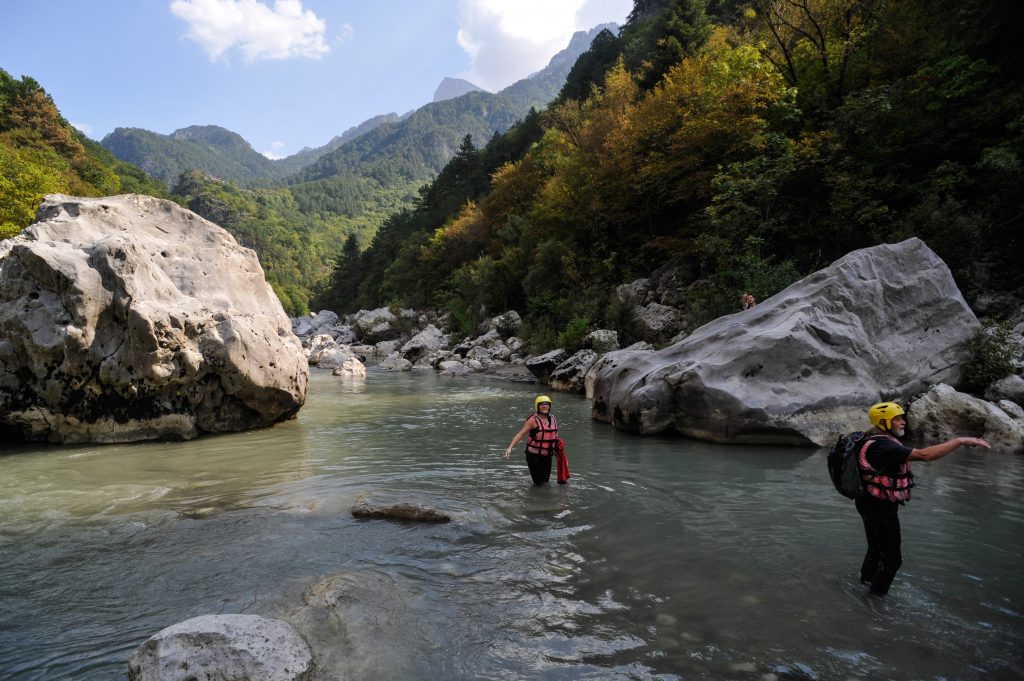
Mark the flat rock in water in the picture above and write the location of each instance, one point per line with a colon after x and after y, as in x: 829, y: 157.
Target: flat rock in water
x: 369, y: 506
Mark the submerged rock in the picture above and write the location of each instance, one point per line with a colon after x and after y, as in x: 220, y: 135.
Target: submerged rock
x: 369, y: 506
x: 129, y: 318
x: 880, y: 323
x: 229, y: 647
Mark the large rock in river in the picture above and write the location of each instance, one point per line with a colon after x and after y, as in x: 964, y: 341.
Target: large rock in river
x: 223, y: 647
x: 128, y: 318
x: 880, y: 323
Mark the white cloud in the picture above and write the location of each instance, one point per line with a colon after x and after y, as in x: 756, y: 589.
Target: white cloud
x: 254, y: 28
x: 83, y: 128
x: 510, y: 40
x: 275, y: 153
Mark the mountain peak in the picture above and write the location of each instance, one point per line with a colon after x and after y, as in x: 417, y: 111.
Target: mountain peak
x: 450, y: 88
x: 214, y: 135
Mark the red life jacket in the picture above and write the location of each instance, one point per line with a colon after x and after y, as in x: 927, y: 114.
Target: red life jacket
x: 889, y: 487
x: 542, y: 439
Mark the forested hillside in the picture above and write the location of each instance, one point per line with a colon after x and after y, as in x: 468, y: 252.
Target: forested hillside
x: 218, y: 152
x: 40, y: 153
x: 745, y: 143
x: 341, y: 193
x: 215, y: 150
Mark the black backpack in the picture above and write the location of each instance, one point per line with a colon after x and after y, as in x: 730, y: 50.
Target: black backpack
x: 842, y: 465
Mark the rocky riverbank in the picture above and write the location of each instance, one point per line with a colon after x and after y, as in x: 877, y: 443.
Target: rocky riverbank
x: 882, y: 323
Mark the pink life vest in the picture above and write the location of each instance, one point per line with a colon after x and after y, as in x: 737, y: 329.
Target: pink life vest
x: 889, y: 487
x: 543, y: 438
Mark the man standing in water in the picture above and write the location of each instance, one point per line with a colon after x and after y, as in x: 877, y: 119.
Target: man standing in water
x: 884, y: 464
x: 541, y: 427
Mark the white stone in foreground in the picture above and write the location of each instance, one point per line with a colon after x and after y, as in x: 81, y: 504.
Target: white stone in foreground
x: 223, y: 648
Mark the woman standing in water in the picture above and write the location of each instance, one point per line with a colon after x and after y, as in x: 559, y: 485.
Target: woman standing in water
x: 541, y: 430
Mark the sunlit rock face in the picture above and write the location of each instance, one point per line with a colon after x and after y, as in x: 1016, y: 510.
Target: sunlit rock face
x: 880, y: 323
x: 129, y: 318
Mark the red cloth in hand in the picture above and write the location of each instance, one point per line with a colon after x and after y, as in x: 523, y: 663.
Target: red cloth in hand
x: 562, y: 462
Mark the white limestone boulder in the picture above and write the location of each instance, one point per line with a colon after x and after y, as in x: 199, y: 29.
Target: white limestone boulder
x: 226, y: 647
x: 1007, y: 388
x: 569, y: 376
x: 880, y: 323
x: 602, y: 341
x: 541, y: 366
x: 427, y: 341
x: 350, y: 368
x: 395, y: 362
x: 129, y: 318
x: 942, y: 413
x: 656, y: 322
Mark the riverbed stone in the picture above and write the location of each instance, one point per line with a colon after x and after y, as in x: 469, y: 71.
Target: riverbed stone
x: 223, y: 648
x: 1012, y: 409
x: 602, y: 340
x: 385, y: 348
x: 543, y: 365
x: 130, y: 318
x: 942, y: 413
x: 569, y: 376
x: 655, y: 322
x: 880, y: 323
x: 350, y: 368
x: 453, y: 368
x: 1007, y: 388
x: 375, y: 506
x: 423, y: 343
x: 395, y: 362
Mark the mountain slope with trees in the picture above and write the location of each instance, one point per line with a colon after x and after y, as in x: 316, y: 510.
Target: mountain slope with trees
x: 745, y: 144
x: 41, y: 153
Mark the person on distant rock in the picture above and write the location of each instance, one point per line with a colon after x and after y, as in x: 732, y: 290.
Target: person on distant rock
x: 747, y: 301
x: 884, y: 464
x: 542, y: 443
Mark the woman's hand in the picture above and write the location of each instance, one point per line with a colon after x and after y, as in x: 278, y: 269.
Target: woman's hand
x: 508, y: 452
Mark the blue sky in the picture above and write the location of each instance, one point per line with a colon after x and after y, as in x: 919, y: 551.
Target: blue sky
x: 284, y: 74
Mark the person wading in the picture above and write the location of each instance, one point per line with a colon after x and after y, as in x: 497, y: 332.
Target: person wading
x: 884, y: 464
x: 542, y: 441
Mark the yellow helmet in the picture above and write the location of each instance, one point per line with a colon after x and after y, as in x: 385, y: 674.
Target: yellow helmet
x: 884, y: 412
x: 540, y: 398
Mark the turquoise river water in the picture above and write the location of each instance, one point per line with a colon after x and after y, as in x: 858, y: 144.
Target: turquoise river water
x: 663, y: 558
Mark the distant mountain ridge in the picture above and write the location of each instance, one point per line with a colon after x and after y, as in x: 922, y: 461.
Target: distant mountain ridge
x: 215, y: 150
x: 389, y: 148
x: 419, y: 145
x: 450, y: 88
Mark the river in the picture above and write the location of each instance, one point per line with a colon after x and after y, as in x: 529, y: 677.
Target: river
x: 663, y: 558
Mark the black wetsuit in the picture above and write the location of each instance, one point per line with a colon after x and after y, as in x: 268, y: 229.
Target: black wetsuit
x: 540, y: 467
x: 881, y: 520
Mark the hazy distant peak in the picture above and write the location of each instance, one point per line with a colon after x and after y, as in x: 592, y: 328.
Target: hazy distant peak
x: 450, y: 88
x: 578, y: 44
x: 213, y: 135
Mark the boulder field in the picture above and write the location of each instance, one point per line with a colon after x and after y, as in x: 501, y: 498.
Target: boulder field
x: 129, y: 318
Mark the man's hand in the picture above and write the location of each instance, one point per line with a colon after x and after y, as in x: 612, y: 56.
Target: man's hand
x: 975, y: 442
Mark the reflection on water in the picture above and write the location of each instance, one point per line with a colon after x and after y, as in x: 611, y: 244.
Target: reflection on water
x: 662, y: 559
